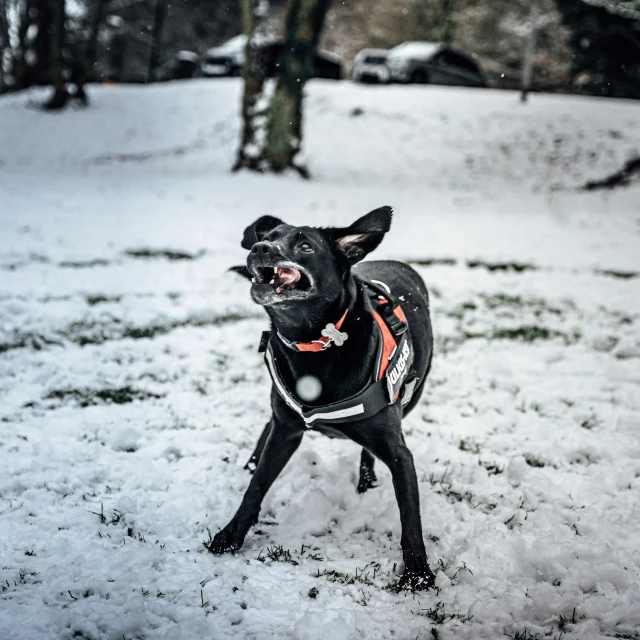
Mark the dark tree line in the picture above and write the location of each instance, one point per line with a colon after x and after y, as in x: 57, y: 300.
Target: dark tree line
x: 605, y: 42
x: 67, y: 44
x: 41, y: 45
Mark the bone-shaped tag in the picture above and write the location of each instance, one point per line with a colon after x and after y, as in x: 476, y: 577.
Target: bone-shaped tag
x: 334, y: 334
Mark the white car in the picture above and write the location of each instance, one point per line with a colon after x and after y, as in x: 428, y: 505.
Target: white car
x: 370, y: 65
x: 225, y: 60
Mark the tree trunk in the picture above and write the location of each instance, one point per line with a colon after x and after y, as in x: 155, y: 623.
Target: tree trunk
x: 156, y: 38
x: 304, y: 23
x: 60, y: 95
x: 448, y: 21
x: 249, y: 155
x: 527, y: 72
x: 4, y: 43
x: 19, y: 61
x: 91, y: 53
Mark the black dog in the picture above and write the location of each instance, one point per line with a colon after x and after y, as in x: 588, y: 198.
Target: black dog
x: 363, y: 385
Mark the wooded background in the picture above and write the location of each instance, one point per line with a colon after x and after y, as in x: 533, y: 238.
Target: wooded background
x: 591, y: 46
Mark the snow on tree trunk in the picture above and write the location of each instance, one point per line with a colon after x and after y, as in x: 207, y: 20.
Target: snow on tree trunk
x: 272, y: 122
x: 527, y: 73
x: 4, y: 43
x: 92, y: 42
x: 254, y: 100
x: 304, y: 23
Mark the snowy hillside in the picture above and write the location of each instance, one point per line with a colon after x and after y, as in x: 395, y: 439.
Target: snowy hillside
x: 131, y: 392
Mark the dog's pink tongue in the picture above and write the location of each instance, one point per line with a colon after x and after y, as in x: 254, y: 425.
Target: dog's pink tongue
x: 288, y: 276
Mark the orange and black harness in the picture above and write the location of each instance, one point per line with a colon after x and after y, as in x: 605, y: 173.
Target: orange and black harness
x: 392, y: 378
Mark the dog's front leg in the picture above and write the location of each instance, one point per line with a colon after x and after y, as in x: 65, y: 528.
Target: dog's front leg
x: 383, y: 437
x: 281, y: 443
x: 252, y: 463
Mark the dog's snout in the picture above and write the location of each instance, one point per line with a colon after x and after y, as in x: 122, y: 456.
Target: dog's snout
x: 263, y: 248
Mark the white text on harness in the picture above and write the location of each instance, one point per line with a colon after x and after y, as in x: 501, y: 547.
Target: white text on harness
x: 398, y: 370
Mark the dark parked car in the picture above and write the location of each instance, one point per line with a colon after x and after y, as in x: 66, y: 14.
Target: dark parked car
x: 228, y: 60
x: 182, y: 66
x: 432, y: 63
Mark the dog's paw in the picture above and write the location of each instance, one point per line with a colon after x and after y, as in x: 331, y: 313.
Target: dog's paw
x: 417, y: 580
x: 367, y: 480
x: 223, y: 542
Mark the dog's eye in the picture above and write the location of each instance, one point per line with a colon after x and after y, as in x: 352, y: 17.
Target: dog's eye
x: 305, y: 247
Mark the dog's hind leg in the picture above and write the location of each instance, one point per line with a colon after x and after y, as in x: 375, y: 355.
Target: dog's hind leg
x: 262, y: 441
x: 367, y: 474
x: 383, y: 437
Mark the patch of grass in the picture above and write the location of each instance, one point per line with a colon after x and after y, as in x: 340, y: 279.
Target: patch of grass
x: 528, y: 333
x: 499, y: 300
x: 438, y: 615
x: 513, y: 267
x: 534, y: 461
x: 277, y: 553
x: 445, y: 488
x: 361, y: 576
x: 523, y: 635
x: 89, y: 333
x: 84, y: 264
x: 433, y: 262
x: 24, y: 577
x: 590, y: 423
x: 159, y: 329
x: 90, y: 397
x: 313, y: 593
x: 621, y: 178
x: 469, y: 445
x: 525, y: 333
x: 620, y: 275
x: 492, y: 468
x: 173, y: 255
x: 92, y: 301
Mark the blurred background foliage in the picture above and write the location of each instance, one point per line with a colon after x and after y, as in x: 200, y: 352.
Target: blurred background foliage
x: 588, y: 46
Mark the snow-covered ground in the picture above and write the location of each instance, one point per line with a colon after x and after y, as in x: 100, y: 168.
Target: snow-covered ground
x: 131, y: 392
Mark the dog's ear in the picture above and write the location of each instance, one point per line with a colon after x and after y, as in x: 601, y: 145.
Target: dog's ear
x: 364, y: 235
x: 241, y: 270
x: 255, y: 232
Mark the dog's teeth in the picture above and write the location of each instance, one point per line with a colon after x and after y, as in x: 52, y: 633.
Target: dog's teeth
x: 272, y: 281
x: 253, y: 280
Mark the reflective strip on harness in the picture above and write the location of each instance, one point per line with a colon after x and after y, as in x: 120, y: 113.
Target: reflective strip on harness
x: 335, y: 415
x: 275, y: 376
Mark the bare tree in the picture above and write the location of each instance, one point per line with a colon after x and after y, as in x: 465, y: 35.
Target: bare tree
x: 156, y: 38
x: 23, y: 17
x: 4, y: 42
x: 60, y: 95
x: 448, y: 21
x: 527, y: 73
x: 254, y: 14
x: 91, y: 50
x: 275, y: 147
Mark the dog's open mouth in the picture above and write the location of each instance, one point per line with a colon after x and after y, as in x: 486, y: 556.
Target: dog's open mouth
x: 283, y: 279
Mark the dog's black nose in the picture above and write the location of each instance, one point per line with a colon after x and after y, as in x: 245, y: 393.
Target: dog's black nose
x: 263, y: 248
